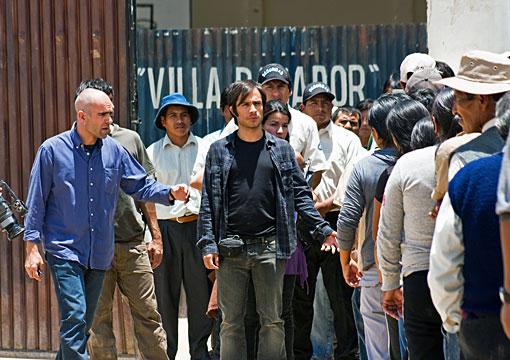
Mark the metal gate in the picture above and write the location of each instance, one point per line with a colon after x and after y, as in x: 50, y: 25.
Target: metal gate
x: 354, y: 60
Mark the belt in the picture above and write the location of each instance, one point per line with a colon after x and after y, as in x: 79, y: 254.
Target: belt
x: 258, y: 239
x: 184, y: 219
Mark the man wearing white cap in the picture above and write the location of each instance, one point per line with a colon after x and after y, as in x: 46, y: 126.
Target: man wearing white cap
x: 412, y: 63
x: 304, y: 137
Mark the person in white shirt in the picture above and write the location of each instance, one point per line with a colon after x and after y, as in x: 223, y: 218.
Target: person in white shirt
x: 173, y: 157
x: 340, y: 147
x: 304, y: 138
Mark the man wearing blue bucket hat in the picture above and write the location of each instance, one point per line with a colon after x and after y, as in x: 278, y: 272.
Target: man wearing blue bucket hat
x: 173, y: 157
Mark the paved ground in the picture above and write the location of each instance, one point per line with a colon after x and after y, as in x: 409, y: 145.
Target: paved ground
x: 182, y: 354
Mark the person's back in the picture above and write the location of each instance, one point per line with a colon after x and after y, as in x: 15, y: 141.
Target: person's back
x: 466, y: 262
x: 488, y: 143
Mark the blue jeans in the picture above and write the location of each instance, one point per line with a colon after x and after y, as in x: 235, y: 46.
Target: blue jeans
x: 358, y: 321
x: 323, y: 328
x: 259, y: 261
x: 451, y: 346
x: 77, y: 289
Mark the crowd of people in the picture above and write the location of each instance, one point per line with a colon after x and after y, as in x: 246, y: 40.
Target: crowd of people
x: 380, y: 231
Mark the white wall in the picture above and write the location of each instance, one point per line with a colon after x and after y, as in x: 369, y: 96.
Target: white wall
x: 457, y: 26
x: 170, y: 14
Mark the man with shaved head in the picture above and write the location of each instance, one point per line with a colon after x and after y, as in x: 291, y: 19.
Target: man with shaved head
x: 73, y: 189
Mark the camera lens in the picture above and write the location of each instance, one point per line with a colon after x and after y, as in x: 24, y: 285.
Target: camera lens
x: 14, y: 230
x: 8, y: 222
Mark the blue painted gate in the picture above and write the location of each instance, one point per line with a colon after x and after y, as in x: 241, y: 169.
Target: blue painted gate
x: 354, y: 61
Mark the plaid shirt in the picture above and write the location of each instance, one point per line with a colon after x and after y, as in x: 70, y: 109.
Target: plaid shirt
x: 293, y: 194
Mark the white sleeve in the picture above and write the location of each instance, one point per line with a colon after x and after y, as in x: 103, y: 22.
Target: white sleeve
x: 503, y: 203
x: 456, y: 164
x: 445, y: 278
x: 304, y: 138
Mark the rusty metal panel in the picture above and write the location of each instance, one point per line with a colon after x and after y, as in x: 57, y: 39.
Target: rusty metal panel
x: 46, y: 48
x: 354, y: 60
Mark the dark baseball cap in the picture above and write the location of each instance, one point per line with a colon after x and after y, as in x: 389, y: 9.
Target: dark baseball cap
x: 273, y: 72
x: 316, y: 88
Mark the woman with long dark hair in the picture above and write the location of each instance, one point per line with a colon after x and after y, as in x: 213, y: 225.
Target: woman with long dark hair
x: 405, y: 236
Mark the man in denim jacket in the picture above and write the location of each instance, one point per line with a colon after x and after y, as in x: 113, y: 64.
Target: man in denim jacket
x: 251, y: 188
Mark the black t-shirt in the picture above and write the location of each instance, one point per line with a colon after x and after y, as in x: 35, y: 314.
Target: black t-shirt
x: 381, y: 184
x: 251, y: 190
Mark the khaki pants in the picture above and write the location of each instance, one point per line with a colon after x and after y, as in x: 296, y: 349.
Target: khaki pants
x: 132, y: 272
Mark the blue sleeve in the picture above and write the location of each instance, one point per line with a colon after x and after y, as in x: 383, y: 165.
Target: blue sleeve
x: 39, y: 187
x: 135, y: 182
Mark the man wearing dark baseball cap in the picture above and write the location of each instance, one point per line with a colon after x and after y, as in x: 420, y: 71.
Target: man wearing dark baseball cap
x: 340, y: 147
x: 304, y: 138
x: 173, y: 157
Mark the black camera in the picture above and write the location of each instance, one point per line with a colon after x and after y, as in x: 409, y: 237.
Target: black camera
x: 8, y: 221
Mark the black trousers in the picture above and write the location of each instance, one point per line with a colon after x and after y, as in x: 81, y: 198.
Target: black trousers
x: 422, y: 323
x: 339, y: 294
x: 182, y: 263
x: 482, y: 338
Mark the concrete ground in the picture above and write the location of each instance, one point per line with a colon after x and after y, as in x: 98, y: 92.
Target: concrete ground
x: 182, y: 353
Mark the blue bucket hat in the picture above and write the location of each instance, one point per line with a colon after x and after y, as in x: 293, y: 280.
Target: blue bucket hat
x: 175, y: 99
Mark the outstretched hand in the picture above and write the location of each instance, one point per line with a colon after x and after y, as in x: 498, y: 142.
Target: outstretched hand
x: 331, y: 243
x: 180, y: 192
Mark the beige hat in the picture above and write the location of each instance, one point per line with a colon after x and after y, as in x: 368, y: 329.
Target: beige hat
x: 481, y: 73
x: 424, y: 79
x: 414, y: 62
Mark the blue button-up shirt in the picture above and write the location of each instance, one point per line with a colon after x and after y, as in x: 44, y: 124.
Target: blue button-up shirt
x: 292, y: 194
x: 72, y: 196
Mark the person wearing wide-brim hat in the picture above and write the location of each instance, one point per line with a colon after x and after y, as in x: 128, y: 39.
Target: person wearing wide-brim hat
x: 483, y: 78
x: 465, y: 259
x: 175, y: 99
x: 173, y: 157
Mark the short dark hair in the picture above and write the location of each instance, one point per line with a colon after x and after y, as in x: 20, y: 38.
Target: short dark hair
x: 401, y: 120
x: 378, y: 113
x: 392, y: 83
x: 442, y: 113
x: 97, y: 83
x: 225, y: 97
x: 348, y: 111
x: 365, y: 105
x: 444, y: 69
x: 240, y: 91
x: 423, y: 134
x: 425, y: 96
x: 274, y: 106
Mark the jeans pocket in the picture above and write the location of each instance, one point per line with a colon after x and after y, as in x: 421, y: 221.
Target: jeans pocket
x: 270, y: 247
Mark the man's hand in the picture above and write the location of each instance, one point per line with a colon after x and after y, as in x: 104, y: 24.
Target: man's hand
x: 212, y: 261
x: 393, y: 303
x: 352, y: 276
x: 331, y: 243
x: 180, y: 192
x: 33, y: 262
x: 155, y: 251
